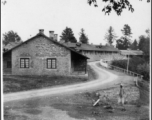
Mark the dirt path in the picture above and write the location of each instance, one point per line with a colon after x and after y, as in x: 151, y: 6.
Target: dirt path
x: 103, y: 78
x: 55, y: 105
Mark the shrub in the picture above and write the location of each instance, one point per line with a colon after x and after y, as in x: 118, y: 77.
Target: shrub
x: 144, y: 70
x: 136, y: 64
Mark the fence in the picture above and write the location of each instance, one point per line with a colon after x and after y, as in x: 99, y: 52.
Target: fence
x: 137, y: 77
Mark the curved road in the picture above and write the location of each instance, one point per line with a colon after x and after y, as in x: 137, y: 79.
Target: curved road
x: 103, y: 77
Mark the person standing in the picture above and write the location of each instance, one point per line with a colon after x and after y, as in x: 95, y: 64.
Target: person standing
x: 121, y: 98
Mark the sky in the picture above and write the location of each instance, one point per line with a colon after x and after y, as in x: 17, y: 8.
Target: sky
x: 26, y: 17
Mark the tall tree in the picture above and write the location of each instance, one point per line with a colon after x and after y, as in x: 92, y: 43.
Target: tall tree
x: 11, y: 36
x: 117, y: 5
x: 125, y: 39
x: 110, y: 36
x: 126, y: 31
x: 134, y: 45
x: 68, y: 36
x: 83, y: 37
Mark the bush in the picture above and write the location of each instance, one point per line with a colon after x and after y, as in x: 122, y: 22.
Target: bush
x: 120, y: 63
x: 144, y: 70
x: 136, y: 64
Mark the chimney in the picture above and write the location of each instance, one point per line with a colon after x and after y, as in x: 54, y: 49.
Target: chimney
x: 51, y: 34
x: 55, y: 37
x: 41, y: 31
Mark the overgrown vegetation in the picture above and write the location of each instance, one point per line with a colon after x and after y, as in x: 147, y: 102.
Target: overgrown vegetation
x: 136, y: 64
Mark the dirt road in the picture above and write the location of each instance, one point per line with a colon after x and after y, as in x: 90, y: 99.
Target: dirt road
x: 103, y: 78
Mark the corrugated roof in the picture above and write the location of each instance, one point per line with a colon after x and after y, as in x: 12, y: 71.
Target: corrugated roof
x: 131, y: 52
x: 40, y: 34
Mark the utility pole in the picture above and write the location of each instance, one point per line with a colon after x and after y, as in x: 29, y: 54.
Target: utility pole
x: 128, y: 62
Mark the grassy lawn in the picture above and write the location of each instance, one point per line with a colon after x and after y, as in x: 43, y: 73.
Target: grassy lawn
x: 23, y: 83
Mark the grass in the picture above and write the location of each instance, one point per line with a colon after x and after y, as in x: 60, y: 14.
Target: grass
x: 77, y: 106
x: 23, y: 83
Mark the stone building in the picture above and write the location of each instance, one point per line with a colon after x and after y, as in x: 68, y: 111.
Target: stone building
x: 42, y: 55
x: 106, y: 53
x: 94, y: 52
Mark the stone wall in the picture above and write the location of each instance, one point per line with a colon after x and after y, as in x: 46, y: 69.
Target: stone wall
x: 38, y: 50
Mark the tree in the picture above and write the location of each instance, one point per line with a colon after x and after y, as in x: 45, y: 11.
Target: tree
x: 136, y: 64
x: 117, y: 5
x: 144, y: 69
x: 144, y: 45
x: 4, y: 2
x: 134, y: 45
x: 122, y: 43
x: 11, y: 36
x: 126, y: 31
x: 68, y: 36
x: 110, y: 36
x: 83, y: 37
x: 148, y: 33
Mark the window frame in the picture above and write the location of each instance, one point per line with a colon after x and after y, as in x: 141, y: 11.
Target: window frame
x: 25, y: 63
x: 51, y: 59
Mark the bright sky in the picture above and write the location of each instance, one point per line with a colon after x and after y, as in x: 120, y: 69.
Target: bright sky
x: 26, y: 17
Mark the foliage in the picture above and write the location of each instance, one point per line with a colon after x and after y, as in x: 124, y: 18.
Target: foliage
x: 144, y: 45
x: 148, y: 33
x: 23, y: 83
x: 117, y: 5
x: 124, y: 42
x: 126, y: 31
x: 11, y: 36
x: 134, y: 45
x: 83, y: 38
x: 144, y: 70
x: 136, y: 64
x: 110, y: 36
x: 68, y: 35
x: 4, y: 2
x: 120, y: 63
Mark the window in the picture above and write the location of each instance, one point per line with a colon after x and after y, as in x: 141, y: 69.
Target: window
x: 9, y: 64
x: 51, y: 63
x: 24, y: 62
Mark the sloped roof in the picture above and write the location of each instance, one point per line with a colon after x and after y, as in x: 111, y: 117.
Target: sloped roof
x: 90, y: 47
x: 131, y: 52
x: 11, y: 45
x: 109, y: 48
x: 40, y: 34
